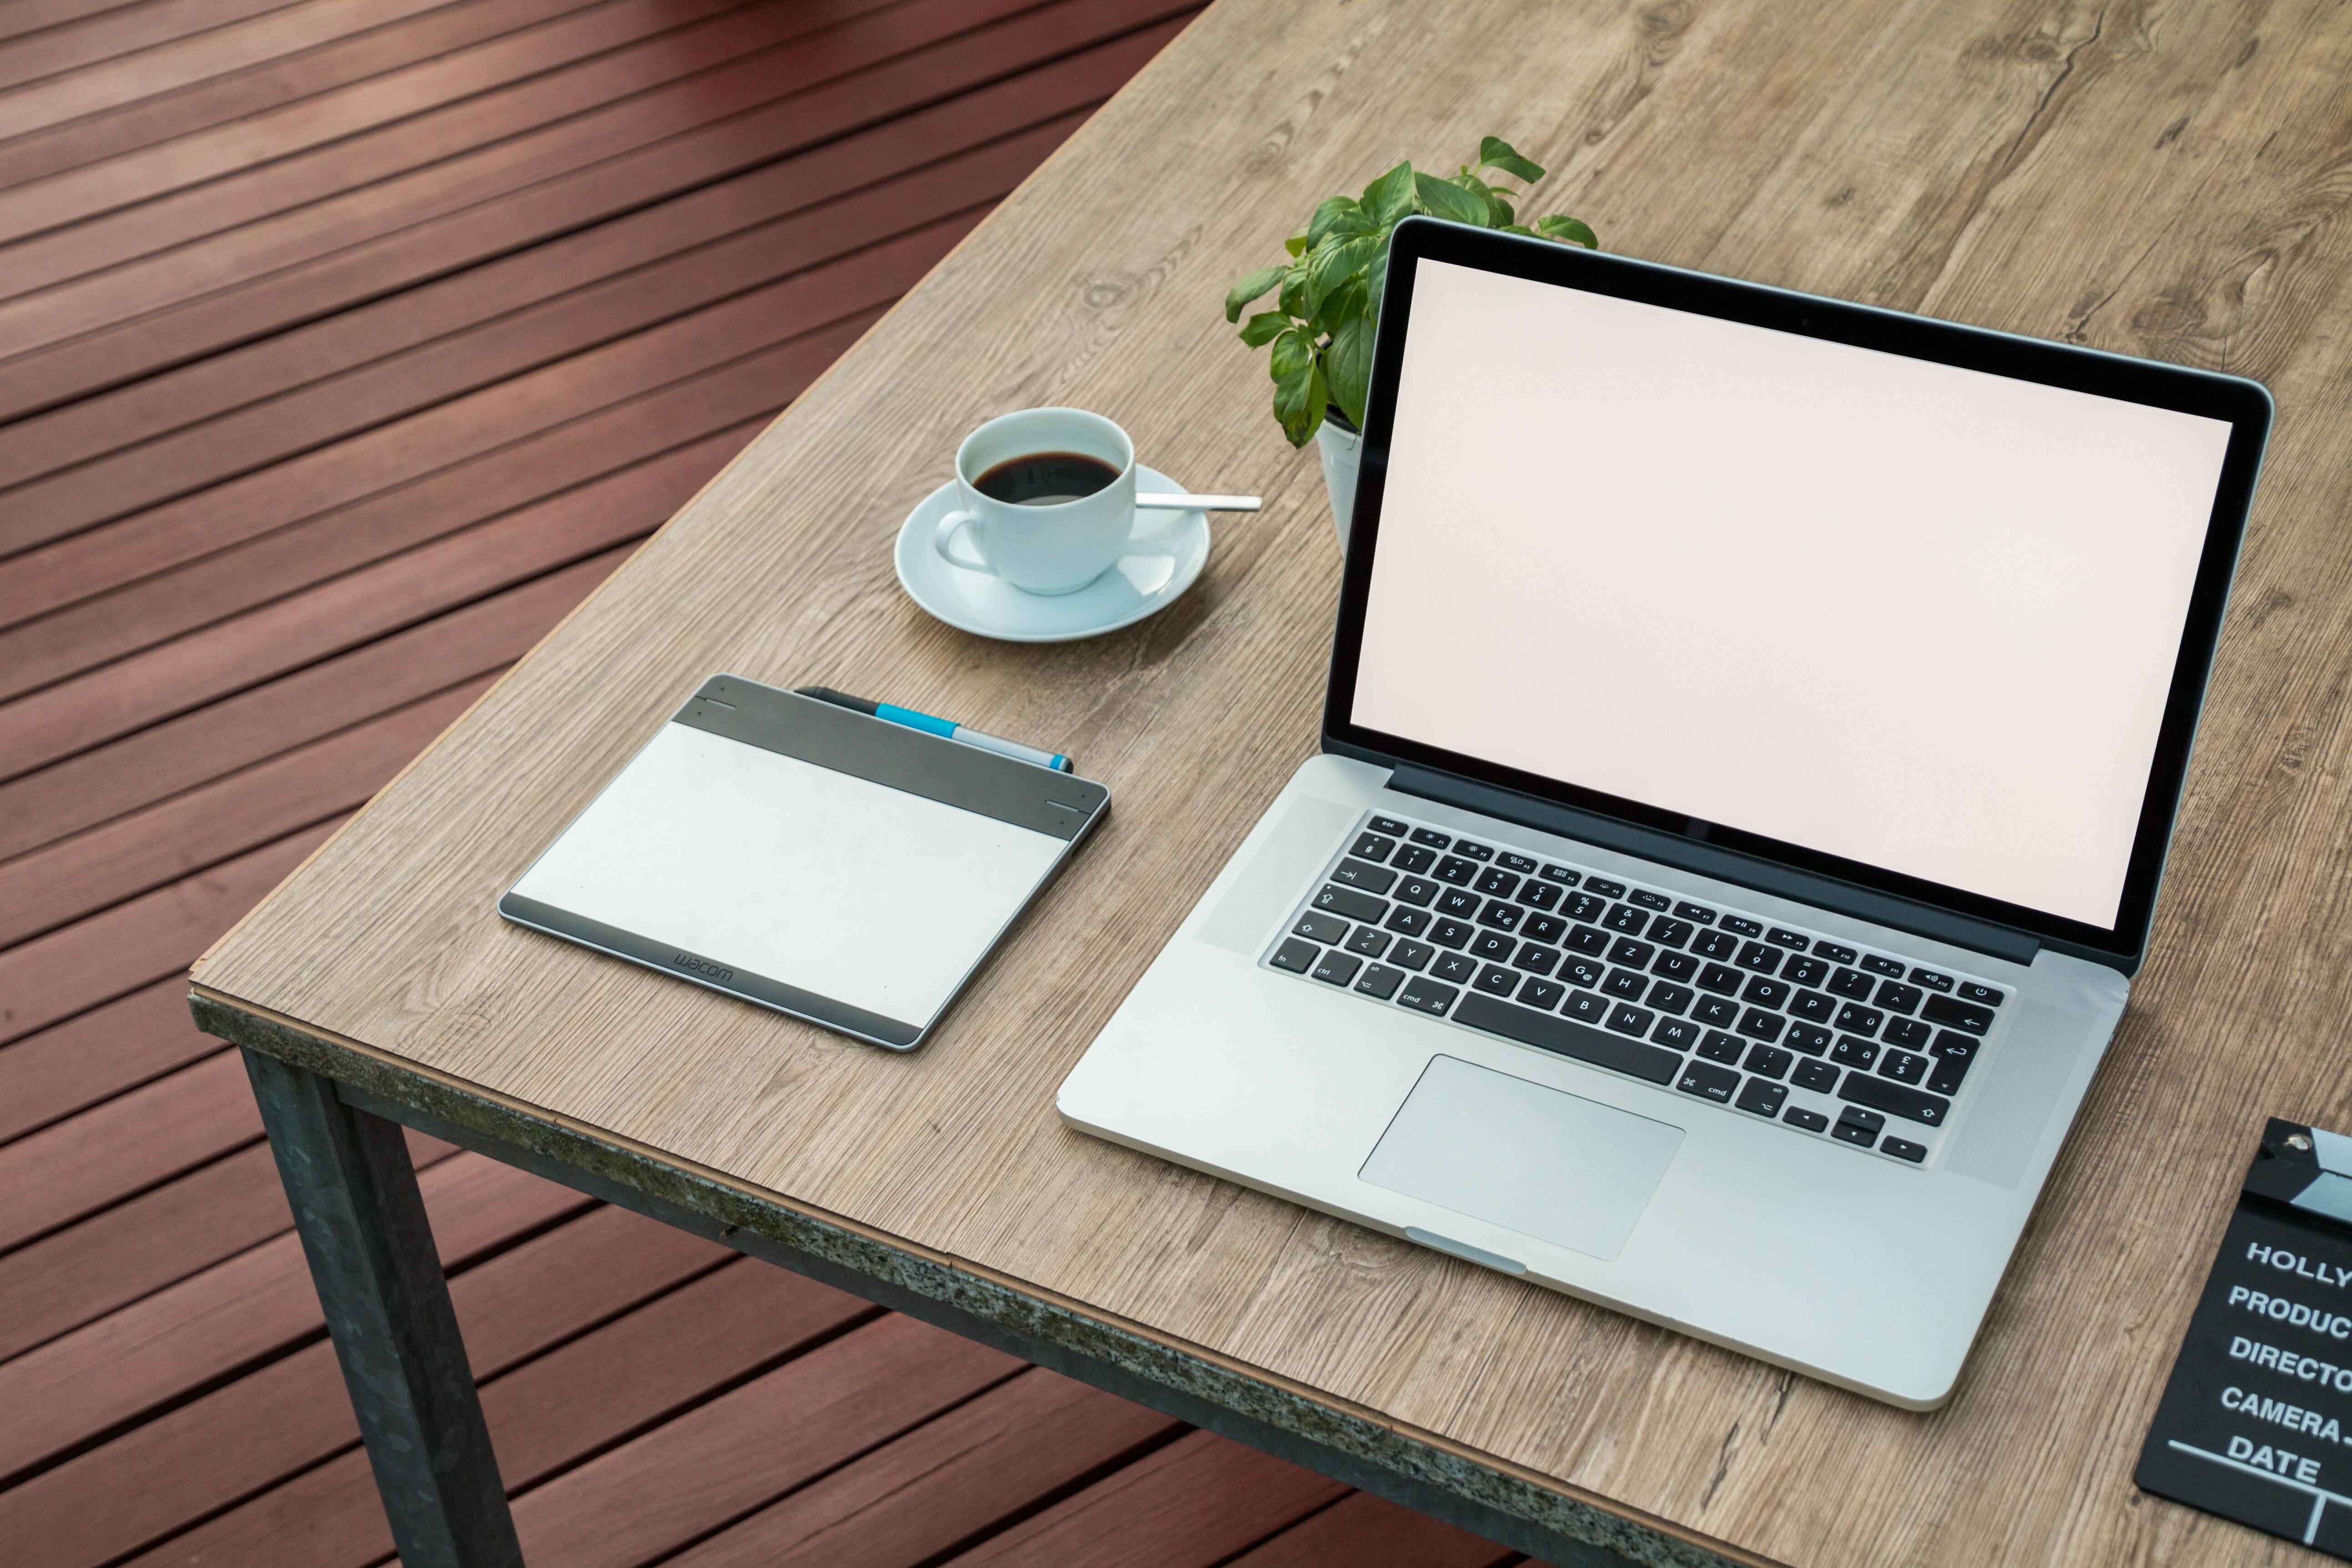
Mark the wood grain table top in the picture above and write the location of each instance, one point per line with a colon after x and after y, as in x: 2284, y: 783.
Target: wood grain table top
x: 2166, y: 179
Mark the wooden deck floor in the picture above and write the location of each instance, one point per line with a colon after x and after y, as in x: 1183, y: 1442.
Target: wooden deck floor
x: 344, y: 345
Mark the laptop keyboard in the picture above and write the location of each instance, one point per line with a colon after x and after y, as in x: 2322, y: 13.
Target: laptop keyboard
x: 1819, y: 1036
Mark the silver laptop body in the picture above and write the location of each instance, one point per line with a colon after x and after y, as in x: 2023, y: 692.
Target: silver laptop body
x: 1778, y: 1048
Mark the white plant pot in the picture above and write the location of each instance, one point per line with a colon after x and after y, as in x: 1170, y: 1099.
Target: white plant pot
x: 1339, y: 450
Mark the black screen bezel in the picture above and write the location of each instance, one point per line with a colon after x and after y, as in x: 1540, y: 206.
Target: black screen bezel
x: 2244, y: 405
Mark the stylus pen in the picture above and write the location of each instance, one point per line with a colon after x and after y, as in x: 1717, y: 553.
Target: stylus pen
x: 948, y: 727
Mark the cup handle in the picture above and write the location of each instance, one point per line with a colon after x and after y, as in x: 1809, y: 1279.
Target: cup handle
x: 943, y: 540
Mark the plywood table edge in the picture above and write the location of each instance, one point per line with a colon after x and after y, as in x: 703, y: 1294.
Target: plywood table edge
x: 741, y: 1210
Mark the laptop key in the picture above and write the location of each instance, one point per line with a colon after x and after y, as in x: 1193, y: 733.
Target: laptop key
x: 1903, y: 1066
x: 1631, y: 953
x: 1431, y: 837
x: 1495, y: 882
x: 1859, y: 1020
x: 1709, y: 1081
x: 1412, y: 955
x: 1427, y: 995
x: 1805, y: 971
x: 1364, y: 874
x: 1627, y: 982
x: 1819, y: 1077
x: 1545, y: 927
x: 1347, y: 902
x: 1493, y: 944
x: 1721, y: 979
x: 1566, y: 1036
x: 1808, y: 1121
x: 1670, y: 933
x: 1716, y: 944
x: 1720, y: 1010
x: 1457, y: 967
x: 1295, y: 955
x: 1739, y: 925
x: 1410, y: 921
x: 1858, y: 1127
x: 1628, y: 1019
x: 1417, y: 891
x: 1500, y: 915
x: 1539, y: 895
x: 1519, y: 863
x: 1650, y: 901
x: 1911, y: 1104
x: 1588, y: 940
x: 1496, y: 980
x: 1585, y: 907
x: 1852, y: 985
x: 1668, y: 997
x: 1537, y: 959
x: 1778, y: 937
x: 1758, y: 958
x: 1627, y: 918
x: 1833, y: 953
x: 1959, y: 1014
x: 1585, y: 972
x: 1949, y: 1073
x: 1604, y: 887
x: 1758, y: 1024
x: 1585, y: 1005
x: 1697, y: 914
x: 1762, y: 1096
x: 1813, y: 1006
x: 1372, y: 847
x: 1973, y: 992
x: 1389, y: 826
x: 1809, y: 1038
x: 1457, y: 870
x: 1912, y: 1034
x: 1459, y: 901
x: 1462, y: 847
x: 1562, y: 875
x: 1948, y: 1044
x: 1676, y: 966
x: 1370, y: 942
x: 1451, y: 933
x: 1892, y: 968
x: 1903, y: 1149
x: 1930, y: 979
x: 1898, y: 998
x: 1414, y: 859
x: 1765, y: 992
x: 1853, y: 1053
x: 1325, y: 929
x: 1337, y: 968
x: 1770, y: 1060
x: 1536, y: 992
x: 1379, y: 980
x: 1717, y: 1046
x: 1675, y: 1033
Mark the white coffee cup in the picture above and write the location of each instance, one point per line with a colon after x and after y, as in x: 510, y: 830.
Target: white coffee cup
x: 1051, y: 543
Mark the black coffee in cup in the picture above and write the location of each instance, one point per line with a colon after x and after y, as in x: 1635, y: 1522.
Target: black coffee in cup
x: 1045, y: 479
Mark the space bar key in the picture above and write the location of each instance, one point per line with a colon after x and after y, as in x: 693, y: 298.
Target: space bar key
x: 1569, y: 1038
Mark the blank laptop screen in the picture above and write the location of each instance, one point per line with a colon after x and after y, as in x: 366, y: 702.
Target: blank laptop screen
x: 1915, y: 616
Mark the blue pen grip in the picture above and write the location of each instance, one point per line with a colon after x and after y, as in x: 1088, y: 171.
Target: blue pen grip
x: 914, y: 720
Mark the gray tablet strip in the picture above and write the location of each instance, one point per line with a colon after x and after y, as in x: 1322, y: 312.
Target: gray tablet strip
x: 830, y: 865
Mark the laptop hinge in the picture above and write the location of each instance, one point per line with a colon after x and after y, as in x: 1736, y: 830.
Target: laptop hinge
x: 1727, y: 865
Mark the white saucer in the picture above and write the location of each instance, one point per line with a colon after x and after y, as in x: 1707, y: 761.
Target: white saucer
x: 1164, y: 555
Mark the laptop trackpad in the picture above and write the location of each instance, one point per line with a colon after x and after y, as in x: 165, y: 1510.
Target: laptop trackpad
x: 1555, y: 1166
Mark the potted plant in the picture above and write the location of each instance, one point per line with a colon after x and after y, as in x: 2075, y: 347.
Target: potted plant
x: 1321, y: 331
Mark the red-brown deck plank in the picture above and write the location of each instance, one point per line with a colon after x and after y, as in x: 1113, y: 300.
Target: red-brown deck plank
x: 352, y: 342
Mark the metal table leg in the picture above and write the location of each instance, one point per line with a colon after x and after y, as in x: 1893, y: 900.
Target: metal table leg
x: 353, y: 1192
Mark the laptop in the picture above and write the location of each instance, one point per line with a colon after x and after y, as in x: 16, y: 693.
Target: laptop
x: 1755, y: 726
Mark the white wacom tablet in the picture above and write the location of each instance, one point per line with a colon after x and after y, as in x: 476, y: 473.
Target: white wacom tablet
x: 812, y: 859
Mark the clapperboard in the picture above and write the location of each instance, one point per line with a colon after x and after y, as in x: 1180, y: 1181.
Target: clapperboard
x: 2256, y: 1423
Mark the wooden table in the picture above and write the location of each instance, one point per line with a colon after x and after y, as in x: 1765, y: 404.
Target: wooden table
x: 2168, y: 181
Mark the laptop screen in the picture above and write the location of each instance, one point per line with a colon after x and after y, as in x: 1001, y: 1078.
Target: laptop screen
x: 1910, y: 615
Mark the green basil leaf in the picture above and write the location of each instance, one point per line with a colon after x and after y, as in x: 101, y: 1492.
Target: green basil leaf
x: 1337, y: 215
x: 1443, y: 198
x: 1573, y: 231
x: 1494, y: 152
x: 1347, y: 300
x: 1299, y: 403
x: 1294, y: 351
x: 1376, y: 282
x: 1296, y: 243
x: 1389, y: 197
x: 1264, y: 328
x: 1292, y: 302
x: 1349, y: 362
x: 1518, y: 229
x: 1249, y: 289
x: 1336, y: 261
x: 1499, y: 213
